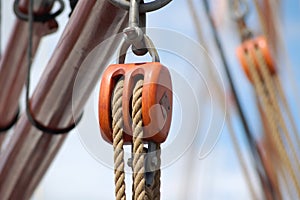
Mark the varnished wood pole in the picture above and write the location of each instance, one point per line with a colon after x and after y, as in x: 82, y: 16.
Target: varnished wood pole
x: 13, y: 67
x: 30, y: 152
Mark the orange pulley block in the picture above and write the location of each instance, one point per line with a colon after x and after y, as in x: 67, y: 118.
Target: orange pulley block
x: 156, y: 98
x: 249, y: 48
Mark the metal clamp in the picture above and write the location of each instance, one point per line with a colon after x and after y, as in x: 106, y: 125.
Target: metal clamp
x: 135, y: 36
x: 240, y: 11
x: 144, y: 7
x: 133, y: 33
x: 151, y: 162
x: 149, y: 45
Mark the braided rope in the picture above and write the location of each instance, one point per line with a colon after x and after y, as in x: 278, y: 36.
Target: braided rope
x: 266, y: 76
x: 259, y: 87
x: 117, y: 125
x: 138, y: 146
x: 149, y: 193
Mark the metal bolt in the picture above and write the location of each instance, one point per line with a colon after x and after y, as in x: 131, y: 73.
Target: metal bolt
x: 129, y: 162
x: 133, y: 34
x: 154, y: 161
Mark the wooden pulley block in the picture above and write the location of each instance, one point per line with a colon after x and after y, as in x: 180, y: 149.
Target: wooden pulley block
x: 156, y: 100
x: 250, y: 48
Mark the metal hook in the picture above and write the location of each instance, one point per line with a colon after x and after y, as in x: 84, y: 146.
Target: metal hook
x: 133, y: 33
x: 240, y: 11
x: 144, y: 7
x: 148, y: 44
x: 135, y: 36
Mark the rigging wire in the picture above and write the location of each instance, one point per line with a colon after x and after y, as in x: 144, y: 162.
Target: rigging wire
x: 238, y: 150
x: 250, y: 139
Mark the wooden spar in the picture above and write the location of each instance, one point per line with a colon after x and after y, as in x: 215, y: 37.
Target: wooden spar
x: 30, y: 152
x: 13, y: 67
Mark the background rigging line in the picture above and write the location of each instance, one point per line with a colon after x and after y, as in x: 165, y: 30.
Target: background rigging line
x: 251, y: 141
x: 238, y: 151
x: 290, y: 72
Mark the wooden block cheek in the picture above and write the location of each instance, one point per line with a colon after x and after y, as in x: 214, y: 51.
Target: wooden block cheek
x: 241, y: 54
x: 108, y: 82
x: 157, y: 84
x: 261, y: 43
x: 157, y: 90
x: 249, y: 47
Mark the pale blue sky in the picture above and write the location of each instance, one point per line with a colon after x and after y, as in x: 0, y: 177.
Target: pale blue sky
x: 75, y: 174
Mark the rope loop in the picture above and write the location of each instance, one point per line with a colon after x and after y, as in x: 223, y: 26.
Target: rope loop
x: 38, y: 18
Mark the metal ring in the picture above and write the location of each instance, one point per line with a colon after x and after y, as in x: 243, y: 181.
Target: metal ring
x: 144, y: 7
x: 149, y: 45
x: 38, y: 18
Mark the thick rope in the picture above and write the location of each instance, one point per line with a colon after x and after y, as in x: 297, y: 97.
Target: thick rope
x: 266, y: 76
x: 138, y: 146
x: 117, y: 125
x: 259, y: 87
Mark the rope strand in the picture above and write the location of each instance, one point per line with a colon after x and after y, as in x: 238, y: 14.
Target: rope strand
x: 138, y: 146
x: 117, y: 125
x: 259, y: 87
x: 266, y: 76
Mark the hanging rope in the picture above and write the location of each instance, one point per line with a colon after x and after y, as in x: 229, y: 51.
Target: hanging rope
x: 274, y: 29
x: 138, y: 146
x: 267, y: 78
x: 117, y: 125
x: 287, y: 109
x: 264, y: 179
x: 260, y: 89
